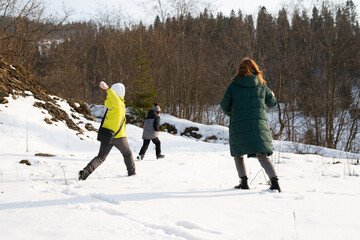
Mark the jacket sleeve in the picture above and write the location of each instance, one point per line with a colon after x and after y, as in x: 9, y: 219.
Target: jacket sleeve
x: 113, y: 98
x: 226, y: 103
x: 270, y: 99
x: 157, y: 124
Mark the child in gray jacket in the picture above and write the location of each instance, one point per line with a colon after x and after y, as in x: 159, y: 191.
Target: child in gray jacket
x: 151, y: 132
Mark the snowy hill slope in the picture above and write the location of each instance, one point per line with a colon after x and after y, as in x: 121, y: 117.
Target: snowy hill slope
x: 187, y: 195
x: 221, y: 134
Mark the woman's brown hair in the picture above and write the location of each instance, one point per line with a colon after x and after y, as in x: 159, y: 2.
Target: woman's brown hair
x: 247, y: 68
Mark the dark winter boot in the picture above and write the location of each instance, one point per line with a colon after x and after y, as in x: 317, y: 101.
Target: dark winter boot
x: 274, y: 184
x: 131, y: 171
x: 243, y: 183
x: 140, y: 157
x: 83, y: 174
x: 160, y: 156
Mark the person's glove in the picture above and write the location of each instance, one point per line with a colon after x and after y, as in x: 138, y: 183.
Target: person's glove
x: 103, y: 85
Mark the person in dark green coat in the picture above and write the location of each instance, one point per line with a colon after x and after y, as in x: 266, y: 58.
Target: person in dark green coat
x: 245, y: 101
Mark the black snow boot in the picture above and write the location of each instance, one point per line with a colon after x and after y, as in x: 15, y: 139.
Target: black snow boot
x: 83, y: 174
x: 243, y: 183
x: 131, y: 171
x: 160, y: 156
x: 274, y: 184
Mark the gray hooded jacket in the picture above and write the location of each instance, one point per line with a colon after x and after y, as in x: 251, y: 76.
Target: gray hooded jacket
x: 151, y: 125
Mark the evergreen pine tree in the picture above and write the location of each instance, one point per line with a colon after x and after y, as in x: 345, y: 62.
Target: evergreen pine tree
x: 144, y: 92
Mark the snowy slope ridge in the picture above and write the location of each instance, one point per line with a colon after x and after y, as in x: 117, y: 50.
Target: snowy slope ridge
x: 221, y: 134
x: 34, y: 129
x: 187, y: 195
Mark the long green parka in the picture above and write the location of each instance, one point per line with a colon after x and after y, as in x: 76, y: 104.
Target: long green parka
x: 245, y: 101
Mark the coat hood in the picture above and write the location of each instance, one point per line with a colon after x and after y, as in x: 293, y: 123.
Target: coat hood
x: 119, y: 89
x: 249, y: 81
x: 152, y: 114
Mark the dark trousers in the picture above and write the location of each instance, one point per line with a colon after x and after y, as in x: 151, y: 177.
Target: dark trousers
x: 123, y: 146
x: 146, y: 143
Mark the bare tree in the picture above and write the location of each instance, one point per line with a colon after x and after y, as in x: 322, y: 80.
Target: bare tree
x: 24, y: 27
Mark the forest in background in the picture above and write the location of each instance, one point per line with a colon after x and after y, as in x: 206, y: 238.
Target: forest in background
x: 311, y: 60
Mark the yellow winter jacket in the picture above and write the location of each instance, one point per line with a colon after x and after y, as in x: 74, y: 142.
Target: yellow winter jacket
x: 115, y: 113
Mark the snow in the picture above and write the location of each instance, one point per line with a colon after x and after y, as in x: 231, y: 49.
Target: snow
x: 221, y: 132
x: 187, y: 195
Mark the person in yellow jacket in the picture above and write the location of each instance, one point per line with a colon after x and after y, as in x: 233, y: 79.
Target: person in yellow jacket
x: 114, y: 118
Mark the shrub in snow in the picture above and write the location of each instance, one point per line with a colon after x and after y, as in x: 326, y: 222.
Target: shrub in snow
x: 189, y: 131
x: 166, y: 127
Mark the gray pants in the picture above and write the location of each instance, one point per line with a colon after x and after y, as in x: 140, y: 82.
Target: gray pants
x: 264, y: 161
x: 123, y: 146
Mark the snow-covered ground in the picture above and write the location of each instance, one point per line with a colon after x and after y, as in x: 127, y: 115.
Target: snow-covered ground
x: 187, y: 195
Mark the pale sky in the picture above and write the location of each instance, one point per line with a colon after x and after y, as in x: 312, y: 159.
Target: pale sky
x: 135, y: 10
